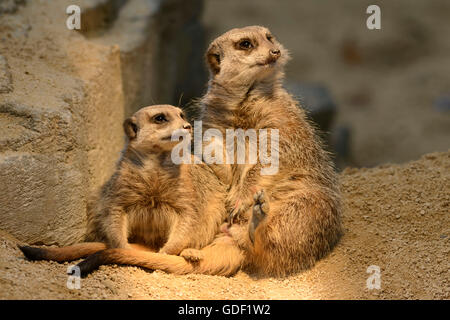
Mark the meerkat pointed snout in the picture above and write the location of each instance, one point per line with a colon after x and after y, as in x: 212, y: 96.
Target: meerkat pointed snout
x: 246, y: 55
x: 152, y: 127
x: 274, y: 55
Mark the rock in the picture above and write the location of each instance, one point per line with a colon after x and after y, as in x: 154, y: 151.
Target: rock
x: 442, y: 103
x: 61, y: 119
x: 341, y: 146
x: 134, y: 31
x: 41, y: 194
x: 5, y: 76
x: 97, y: 15
x: 10, y: 6
x: 317, y: 101
x: 166, y: 39
x: 184, y: 73
x: 322, y: 110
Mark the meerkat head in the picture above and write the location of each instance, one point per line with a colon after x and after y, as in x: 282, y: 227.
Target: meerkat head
x: 245, y: 56
x: 151, y: 128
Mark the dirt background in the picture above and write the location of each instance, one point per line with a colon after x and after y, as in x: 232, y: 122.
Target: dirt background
x: 396, y: 217
x: 385, y: 82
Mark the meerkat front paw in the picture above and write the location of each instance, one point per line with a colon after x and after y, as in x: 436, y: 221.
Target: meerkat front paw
x: 240, y: 211
x: 192, y: 255
x: 260, y: 210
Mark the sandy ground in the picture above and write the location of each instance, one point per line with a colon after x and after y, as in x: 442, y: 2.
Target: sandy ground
x: 385, y: 82
x: 396, y: 217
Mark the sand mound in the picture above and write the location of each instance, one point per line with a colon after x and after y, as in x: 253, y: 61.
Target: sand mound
x: 396, y: 217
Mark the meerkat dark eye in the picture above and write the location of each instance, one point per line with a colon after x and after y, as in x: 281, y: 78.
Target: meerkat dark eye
x: 245, y: 45
x: 269, y: 37
x: 160, y: 118
x: 182, y: 116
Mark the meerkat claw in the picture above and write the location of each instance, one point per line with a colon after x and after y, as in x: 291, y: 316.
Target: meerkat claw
x: 260, y: 210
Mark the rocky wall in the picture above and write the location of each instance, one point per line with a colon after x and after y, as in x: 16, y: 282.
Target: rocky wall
x: 65, y: 93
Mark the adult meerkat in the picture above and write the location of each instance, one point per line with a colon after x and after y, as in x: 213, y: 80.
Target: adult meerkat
x: 149, y: 200
x: 281, y: 223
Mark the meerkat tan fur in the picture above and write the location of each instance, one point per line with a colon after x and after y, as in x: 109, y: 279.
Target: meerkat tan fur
x: 294, y: 217
x: 279, y: 224
x: 150, y: 203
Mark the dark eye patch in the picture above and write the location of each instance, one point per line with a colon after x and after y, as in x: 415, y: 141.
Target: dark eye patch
x: 269, y: 37
x: 160, y: 118
x: 245, y: 44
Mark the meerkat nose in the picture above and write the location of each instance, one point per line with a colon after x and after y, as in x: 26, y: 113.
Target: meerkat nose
x: 275, y: 52
x: 187, y: 126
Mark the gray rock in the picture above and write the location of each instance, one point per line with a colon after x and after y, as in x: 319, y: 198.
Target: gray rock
x: 442, y: 103
x: 32, y: 187
x: 321, y: 109
x: 341, y: 146
x: 317, y: 101
x: 167, y: 40
x: 10, y: 6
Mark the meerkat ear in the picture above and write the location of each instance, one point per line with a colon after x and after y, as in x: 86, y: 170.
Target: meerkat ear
x: 130, y: 127
x: 213, y: 58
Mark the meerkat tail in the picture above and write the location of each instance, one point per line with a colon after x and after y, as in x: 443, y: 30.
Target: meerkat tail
x: 69, y: 253
x: 219, y: 258
x: 138, y: 258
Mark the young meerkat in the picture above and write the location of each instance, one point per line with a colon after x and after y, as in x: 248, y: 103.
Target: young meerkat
x: 281, y: 223
x: 150, y: 202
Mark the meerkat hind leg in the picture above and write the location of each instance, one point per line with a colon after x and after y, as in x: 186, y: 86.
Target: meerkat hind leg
x: 260, y: 210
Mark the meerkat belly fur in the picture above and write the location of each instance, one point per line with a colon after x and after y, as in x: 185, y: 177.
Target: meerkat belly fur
x: 281, y: 223
x: 150, y: 203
